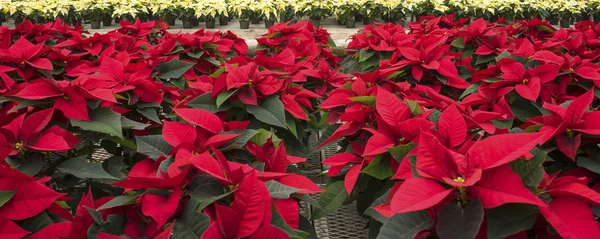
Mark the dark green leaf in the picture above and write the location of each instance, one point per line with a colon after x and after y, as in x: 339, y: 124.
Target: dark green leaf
x: 173, y: 69
x: 471, y: 89
x: 80, y: 167
x: 30, y: 165
x: 523, y: 109
x: 379, y: 168
x: 364, y: 55
x: 150, y: 113
x: 221, y: 98
x: 456, y: 222
x: 503, y: 55
x: 400, y: 151
x: 279, y: 222
x: 405, y: 225
x: 306, y: 226
x: 206, y: 103
x: 130, y: 124
x: 414, y: 107
x: 192, y: 222
x: 5, y: 196
x: 366, y: 100
x: 503, y: 124
x: 154, y: 146
x: 591, y: 163
x: 509, y: 219
x: 481, y: 59
x: 278, y: 190
x: 374, y: 214
x: 270, y: 111
x: 329, y: 201
x: 118, y: 201
x: 36, y: 223
x: 103, y: 120
x: 530, y: 171
x: 325, y: 135
x: 206, y: 189
x: 459, y: 42
x: 291, y: 125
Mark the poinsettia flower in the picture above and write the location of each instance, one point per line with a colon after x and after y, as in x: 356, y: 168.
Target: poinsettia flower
x: 23, y: 52
x: 567, y: 124
x: 250, y: 81
x: 582, y: 69
x: 27, y: 132
x: 528, y: 81
x: 480, y: 173
x: 294, y: 97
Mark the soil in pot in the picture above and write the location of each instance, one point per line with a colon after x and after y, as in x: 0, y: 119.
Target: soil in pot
x: 350, y: 23
x: 210, y: 24
x: 96, y: 24
x: 244, y: 24
x: 269, y: 23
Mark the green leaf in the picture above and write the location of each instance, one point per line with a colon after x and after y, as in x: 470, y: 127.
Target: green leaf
x: 279, y: 191
x: 80, y: 167
x: 370, y: 65
x: 414, y: 107
x: 591, y: 163
x: 405, y: 225
x: 373, y: 213
x: 270, y: 111
x: 471, y: 89
x: 130, y: 124
x: 379, y: 168
x: 307, y: 227
x: 456, y: 222
x: 221, y: 98
x: 279, y: 222
x: 192, y: 222
x: 173, y: 69
x: 325, y: 135
x: 103, y: 120
x: 503, y: 55
x: 291, y: 125
x: 206, y: 189
x: 329, y: 201
x: 523, y: 109
x: 509, y: 219
x: 206, y: 103
x: 195, y: 55
x: 37, y: 222
x: 364, y: 55
x: 31, y: 165
x: 435, y: 116
x: 150, y: 113
x: 154, y: 146
x: 400, y: 151
x: 503, y: 124
x: 5, y: 196
x: 481, y: 59
x: 240, y: 141
x: 118, y: 201
x: 260, y: 136
x: 530, y: 171
x: 365, y: 100
x: 459, y: 42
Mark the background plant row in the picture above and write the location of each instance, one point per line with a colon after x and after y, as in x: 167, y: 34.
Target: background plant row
x: 389, y: 10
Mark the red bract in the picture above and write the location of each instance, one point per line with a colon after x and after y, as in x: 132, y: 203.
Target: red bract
x: 253, y: 83
x: 28, y: 133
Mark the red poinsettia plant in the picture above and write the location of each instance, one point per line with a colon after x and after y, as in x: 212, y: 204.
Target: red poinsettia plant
x: 480, y: 130
x: 143, y: 133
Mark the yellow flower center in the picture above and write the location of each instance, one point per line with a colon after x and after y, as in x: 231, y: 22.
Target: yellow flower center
x: 402, y: 139
x: 23, y: 63
x: 459, y: 179
x: 18, y: 146
x: 571, y: 70
x: 525, y: 81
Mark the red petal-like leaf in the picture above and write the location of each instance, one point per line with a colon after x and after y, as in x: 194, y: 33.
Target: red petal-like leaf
x: 10, y: 230
x: 417, y: 194
x: 30, y: 199
x: 41, y: 63
x: 571, y: 218
x: 351, y: 177
x: 176, y: 133
x: 339, y: 97
x: 104, y: 235
x: 269, y: 232
x: 212, y: 232
x: 35, y: 123
x: 39, y: 90
x: 53, y: 231
x: 378, y: 144
x: 577, y: 108
x: 288, y: 209
x: 293, y: 107
x: 501, y: 149
x: 453, y: 126
x: 568, y: 145
x: 207, y: 164
x: 578, y: 190
x: 250, y: 200
x: 166, y: 234
x: 391, y: 109
x: 160, y: 207
x: 341, y: 159
x: 501, y: 185
x: 305, y: 185
x: 202, y: 118
x: 432, y: 160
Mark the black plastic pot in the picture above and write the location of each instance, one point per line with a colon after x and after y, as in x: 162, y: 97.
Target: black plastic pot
x: 187, y: 23
x: 210, y: 24
x: 565, y: 22
x: 195, y: 22
x: 316, y: 23
x: 96, y: 24
x: 553, y: 21
x: 201, y: 19
x: 255, y: 20
x: 223, y: 21
x: 170, y: 20
x: 366, y: 21
x: 244, y: 24
x: 350, y: 23
x: 18, y: 20
x: 107, y: 21
x: 358, y: 18
x: 269, y: 23
x: 117, y: 20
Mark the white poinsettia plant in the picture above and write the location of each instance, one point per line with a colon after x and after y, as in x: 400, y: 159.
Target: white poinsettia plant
x: 211, y: 9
